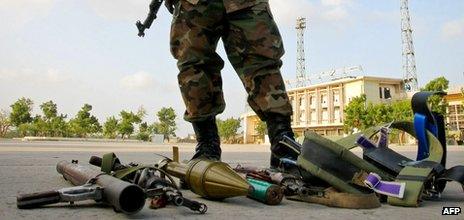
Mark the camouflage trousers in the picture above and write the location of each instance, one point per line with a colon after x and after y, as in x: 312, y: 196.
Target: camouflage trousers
x: 253, y: 45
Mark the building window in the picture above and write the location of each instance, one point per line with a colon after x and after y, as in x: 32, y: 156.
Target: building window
x: 380, y: 93
x: 336, y: 99
x: 325, y: 116
x: 386, y: 93
x: 323, y: 99
x: 314, y: 116
x: 312, y: 101
x: 337, y: 115
x: 302, y: 117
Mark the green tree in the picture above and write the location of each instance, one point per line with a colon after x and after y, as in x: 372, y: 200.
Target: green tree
x: 5, y: 123
x: 166, y: 124
x: 377, y: 114
x: 261, y: 129
x: 360, y: 115
x: 21, y: 112
x: 84, y: 123
x: 437, y: 102
x: 228, y: 128
x: 59, y: 126
x: 49, y: 110
x: 27, y: 129
x: 141, y: 112
x: 38, y: 126
x: 126, y: 125
x: 355, y: 114
x: 402, y: 111
x: 144, y: 132
x: 51, y: 124
x: 110, y: 127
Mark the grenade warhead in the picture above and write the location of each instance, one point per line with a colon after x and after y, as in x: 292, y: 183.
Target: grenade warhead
x: 209, y: 179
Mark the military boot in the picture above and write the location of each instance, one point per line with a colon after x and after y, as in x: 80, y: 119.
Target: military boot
x: 208, y: 146
x: 279, y: 126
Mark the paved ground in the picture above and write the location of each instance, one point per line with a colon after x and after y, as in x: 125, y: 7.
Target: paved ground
x: 30, y: 166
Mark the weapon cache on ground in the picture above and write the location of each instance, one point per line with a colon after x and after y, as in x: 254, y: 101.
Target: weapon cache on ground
x: 325, y: 172
x: 154, y: 7
x: 158, y: 185
x: 123, y: 196
x: 209, y: 179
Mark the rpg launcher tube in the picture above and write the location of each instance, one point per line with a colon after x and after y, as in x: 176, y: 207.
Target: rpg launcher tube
x: 123, y: 196
x: 210, y: 179
x: 265, y: 192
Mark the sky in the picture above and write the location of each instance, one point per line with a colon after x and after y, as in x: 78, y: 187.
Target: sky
x: 87, y: 51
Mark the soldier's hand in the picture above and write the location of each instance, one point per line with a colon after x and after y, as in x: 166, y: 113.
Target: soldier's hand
x: 170, y: 5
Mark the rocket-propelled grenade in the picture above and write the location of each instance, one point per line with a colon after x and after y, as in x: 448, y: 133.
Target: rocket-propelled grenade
x: 209, y: 179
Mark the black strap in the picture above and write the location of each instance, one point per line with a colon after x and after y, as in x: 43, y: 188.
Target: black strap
x: 453, y: 174
x: 386, y: 159
x: 327, y: 160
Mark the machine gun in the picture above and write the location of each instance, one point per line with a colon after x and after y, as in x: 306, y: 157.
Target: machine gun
x: 154, y: 7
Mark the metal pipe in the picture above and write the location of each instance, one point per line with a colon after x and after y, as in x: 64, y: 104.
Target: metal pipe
x: 123, y: 196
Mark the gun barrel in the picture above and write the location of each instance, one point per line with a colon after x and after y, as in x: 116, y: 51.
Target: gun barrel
x: 33, y: 200
x: 123, y: 196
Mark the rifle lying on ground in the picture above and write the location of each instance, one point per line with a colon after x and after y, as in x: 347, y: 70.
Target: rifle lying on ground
x: 154, y: 7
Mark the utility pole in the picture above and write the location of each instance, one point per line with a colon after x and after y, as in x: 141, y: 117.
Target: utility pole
x: 300, y: 53
x: 409, y: 60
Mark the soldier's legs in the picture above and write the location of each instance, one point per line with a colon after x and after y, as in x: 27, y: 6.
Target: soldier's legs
x: 195, y: 32
x: 254, y: 47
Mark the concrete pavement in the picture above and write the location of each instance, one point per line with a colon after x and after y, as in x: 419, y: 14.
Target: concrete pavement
x: 30, y: 166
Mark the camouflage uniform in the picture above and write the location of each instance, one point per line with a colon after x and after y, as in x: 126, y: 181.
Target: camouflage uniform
x: 253, y: 45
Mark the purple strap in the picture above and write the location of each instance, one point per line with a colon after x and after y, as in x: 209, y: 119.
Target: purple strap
x: 365, y: 143
x: 393, y: 189
x: 383, y: 140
